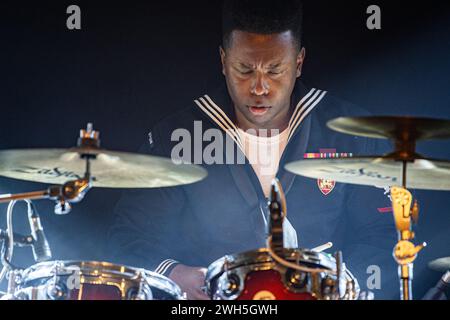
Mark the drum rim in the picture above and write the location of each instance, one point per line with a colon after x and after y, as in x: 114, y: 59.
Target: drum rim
x: 46, y: 269
x: 247, y: 258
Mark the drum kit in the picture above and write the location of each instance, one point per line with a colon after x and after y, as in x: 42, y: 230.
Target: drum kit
x: 270, y: 273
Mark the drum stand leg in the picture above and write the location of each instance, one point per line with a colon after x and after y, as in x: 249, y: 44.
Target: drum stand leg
x: 405, y: 274
x: 12, y: 281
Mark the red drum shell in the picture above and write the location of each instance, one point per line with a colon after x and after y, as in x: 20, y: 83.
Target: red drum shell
x: 267, y: 285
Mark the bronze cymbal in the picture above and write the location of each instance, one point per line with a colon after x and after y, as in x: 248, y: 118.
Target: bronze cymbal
x: 441, y: 264
x: 393, y: 127
x: 422, y: 173
x: 110, y: 169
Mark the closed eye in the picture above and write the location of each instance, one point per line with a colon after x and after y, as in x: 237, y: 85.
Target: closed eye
x: 275, y: 72
x: 245, y: 71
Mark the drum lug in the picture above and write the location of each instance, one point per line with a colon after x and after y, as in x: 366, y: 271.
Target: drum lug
x: 14, y: 279
x: 56, y: 292
x: 141, y: 293
x: 296, y: 280
x: 328, y: 289
x: 230, y: 285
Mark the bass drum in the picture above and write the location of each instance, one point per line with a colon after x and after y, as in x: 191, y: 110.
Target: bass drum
x: 90, y: 280
x: 255, y: 275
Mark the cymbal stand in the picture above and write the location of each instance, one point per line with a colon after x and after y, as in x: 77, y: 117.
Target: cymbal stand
x: 71, y: 192
x: 405, y: 252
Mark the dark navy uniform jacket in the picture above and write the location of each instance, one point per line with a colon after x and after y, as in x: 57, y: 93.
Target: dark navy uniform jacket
x: 225, y: 213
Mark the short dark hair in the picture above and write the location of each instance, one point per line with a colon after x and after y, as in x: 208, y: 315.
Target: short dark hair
x: 263, y: 17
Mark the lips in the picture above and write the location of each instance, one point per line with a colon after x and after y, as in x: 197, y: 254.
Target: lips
x: 259, y: 110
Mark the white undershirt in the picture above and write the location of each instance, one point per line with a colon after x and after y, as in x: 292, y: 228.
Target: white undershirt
x: 264, y: 154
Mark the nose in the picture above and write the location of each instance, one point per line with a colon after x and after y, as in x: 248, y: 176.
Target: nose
x: 259, y: 87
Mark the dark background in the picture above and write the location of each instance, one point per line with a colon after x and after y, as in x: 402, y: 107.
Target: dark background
x: 134, y: 62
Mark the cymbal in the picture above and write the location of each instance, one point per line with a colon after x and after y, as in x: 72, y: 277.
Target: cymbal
x: 110, y: 169
x: 441, y: 264
x: 423, y: 173
x: 393, y: 127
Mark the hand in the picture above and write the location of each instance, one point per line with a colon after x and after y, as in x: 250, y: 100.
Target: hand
x: 190, y: 280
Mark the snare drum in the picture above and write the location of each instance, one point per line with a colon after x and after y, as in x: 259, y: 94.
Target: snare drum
x: 255, y: 275
x: 89, y: 280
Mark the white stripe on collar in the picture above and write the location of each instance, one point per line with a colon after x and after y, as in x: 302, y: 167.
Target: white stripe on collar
x: 163, y: 266
x: 219, y: 120
x: 221, y: 112
x: 303, y: 108
x: 300, y: 107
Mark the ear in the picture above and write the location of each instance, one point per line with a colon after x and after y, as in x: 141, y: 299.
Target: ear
x: 300, y: 59
x: 222, y: 59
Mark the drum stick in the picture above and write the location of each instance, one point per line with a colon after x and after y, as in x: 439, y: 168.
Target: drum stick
x: 323, y: 247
